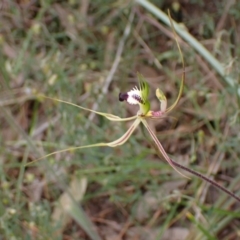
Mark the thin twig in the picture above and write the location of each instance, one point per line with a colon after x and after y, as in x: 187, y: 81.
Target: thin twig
x: 224, y: 15
x: 113, y: 69
x: 45, y: 126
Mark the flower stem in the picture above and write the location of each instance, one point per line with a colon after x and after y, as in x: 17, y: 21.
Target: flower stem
x: 213, y: 183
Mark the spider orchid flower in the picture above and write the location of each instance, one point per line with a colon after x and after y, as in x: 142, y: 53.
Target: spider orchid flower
x: 137, y: 96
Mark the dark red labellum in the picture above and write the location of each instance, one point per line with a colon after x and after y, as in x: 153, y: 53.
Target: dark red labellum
x: 123, y: 96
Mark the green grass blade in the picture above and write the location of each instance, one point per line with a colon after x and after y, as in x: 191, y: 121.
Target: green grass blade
x: 191, y: 40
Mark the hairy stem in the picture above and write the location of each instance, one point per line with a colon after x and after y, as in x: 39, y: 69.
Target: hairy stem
x: 213, y: 183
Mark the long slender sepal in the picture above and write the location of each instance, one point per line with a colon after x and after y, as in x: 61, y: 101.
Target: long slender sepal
x: 160, y: 148
x: 109, y: 116
x: 183, y: 66
x: 210, y: 181
x: 126, y: 136
x: 115, y: 143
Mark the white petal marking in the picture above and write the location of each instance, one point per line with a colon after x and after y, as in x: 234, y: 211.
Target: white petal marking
x: 135, y: 96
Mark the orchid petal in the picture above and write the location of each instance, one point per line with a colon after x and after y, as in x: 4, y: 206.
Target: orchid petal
x: 109, y: 116
x: 118, y: 142
x: 163, y: 100
x: 144, y: 88
x: 126, y: 136
x: 160, y: 147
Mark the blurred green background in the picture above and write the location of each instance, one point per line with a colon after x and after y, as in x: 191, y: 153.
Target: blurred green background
x: 81, y: 51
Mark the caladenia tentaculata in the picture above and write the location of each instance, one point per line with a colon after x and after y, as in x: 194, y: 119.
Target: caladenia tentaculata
x: 139, y: 96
